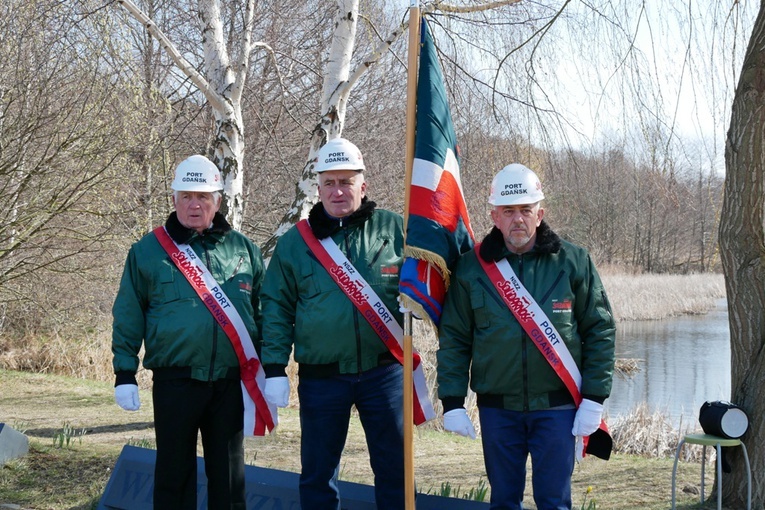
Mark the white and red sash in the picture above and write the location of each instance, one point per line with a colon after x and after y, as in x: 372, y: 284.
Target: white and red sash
x: 537, y: 325
x: 259, y: 415
x: 535, y: 322
x: 373, y: 309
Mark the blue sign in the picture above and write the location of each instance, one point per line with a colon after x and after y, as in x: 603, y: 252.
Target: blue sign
x: 13, y: 444
x: 132, y: 482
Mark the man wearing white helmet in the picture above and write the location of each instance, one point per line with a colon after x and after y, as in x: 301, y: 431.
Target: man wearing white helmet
x: 528, y: 327
x: 195, y: 369
x: 341, y: 358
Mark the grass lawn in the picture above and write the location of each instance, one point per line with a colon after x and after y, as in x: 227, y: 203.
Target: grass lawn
x: 76, y: 433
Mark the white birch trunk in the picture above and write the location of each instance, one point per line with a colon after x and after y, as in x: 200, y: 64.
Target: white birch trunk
x: 338, y: 83
x: 227, y: 150
x: 222, y: 87
x: 334, y: 99
x: 224, y: 83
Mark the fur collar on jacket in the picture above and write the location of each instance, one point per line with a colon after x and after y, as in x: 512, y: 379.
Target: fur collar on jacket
x: 323, y: 225
x: 493, y: 246
x: 183, y: 235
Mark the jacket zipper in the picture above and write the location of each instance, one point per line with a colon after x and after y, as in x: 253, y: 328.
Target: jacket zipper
x: 215, y: 324
x: 236, y: 269
x: 355, y: 310
x: 524, y: 352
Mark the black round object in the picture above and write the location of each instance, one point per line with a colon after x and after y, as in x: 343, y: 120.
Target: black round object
x: 723, y: 419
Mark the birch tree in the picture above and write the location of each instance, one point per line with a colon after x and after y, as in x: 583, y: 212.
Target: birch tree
x: 336, y: 89
x: 339, y: 81
x: 222, y: 83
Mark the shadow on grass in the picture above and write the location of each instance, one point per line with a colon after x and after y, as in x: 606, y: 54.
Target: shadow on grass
x: 102, y: 429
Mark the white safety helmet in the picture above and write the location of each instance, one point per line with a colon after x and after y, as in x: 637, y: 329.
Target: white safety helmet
x: 197, y: 173
x: 515, y: 185
x: 339, y: 154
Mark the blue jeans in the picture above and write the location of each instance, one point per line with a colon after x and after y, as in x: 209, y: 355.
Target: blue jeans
x: 325, y: 409
x: 509, y: 437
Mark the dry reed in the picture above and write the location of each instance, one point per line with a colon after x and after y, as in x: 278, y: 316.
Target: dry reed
x: 650, y: 434
x: 660, y: 296
x: 627, y: 367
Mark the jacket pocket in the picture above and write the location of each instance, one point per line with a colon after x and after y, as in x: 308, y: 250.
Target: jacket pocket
x: 308, y: 286
x: 167, y: 290
x: 382, y: 265
x: 481, y: 315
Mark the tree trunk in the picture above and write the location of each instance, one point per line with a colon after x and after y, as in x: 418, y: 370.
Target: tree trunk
x: 335, y: 91
x: 742, y: 246
x: 338, y: 83
x: 227, y: 79
x: 222, y: 87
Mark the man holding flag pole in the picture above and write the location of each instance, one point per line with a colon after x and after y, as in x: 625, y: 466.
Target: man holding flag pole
x: 567, y: 404
x: 331, y: 292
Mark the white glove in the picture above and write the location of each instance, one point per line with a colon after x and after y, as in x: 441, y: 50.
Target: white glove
x: 278, y: 391
x: 404, y: 309
x: 127, y: 397
x: 458, y: 421
x: 588, y: 418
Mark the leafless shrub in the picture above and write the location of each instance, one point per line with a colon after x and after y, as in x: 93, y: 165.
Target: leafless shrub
x: 88, y: 357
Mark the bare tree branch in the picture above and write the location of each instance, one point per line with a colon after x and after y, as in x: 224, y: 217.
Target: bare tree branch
x: 202, y: 84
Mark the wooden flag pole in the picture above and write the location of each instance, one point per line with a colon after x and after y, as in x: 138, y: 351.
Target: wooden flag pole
x: 411, y: 120
x: 408, y: 415
x: 411, y: 100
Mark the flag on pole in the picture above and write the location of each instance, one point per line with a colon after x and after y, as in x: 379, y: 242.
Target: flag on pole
x: 438, y: 228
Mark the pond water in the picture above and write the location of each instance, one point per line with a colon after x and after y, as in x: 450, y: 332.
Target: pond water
x: 684, y: 361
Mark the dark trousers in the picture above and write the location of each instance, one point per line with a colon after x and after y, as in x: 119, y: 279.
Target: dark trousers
x: 325, y: 408
x: 509, y: 437
x: 182, y: 408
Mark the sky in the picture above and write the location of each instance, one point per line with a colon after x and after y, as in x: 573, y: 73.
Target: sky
x: 680, y: 76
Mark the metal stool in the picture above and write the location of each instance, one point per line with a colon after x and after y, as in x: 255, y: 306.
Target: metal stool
x: 718, y: 442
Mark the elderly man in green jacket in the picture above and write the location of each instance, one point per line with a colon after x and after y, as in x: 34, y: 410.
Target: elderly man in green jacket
x: 195, y: 367
x: 527, y: 325
x: 316, y: 306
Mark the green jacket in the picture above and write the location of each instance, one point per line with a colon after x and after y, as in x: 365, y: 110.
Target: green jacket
x: 508, y: 371
x: 304, y: 307
x: 157, y: 306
